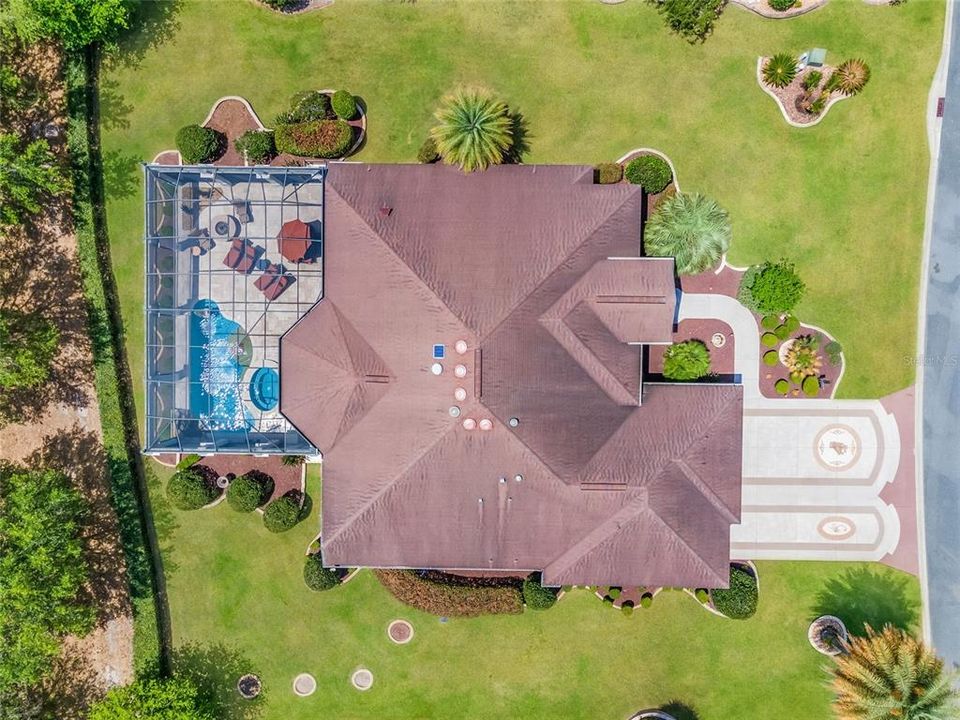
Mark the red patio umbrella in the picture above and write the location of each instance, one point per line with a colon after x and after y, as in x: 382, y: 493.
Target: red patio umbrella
x: 293, y: 242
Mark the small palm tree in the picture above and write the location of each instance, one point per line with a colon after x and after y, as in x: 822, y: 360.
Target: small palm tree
x: 780, y: 70
x: 687, y: 360
x: 692, y: 229
x: 851, y: 76
x: 475, y: 129
x: 891, y: 674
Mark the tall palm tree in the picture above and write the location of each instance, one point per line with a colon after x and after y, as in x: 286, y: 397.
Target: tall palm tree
x: 891, y: 674
x: 692, y: 229
x: 475, y: 129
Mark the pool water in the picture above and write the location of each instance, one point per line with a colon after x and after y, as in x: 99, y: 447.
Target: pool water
x: 265, y: 388
x: 215, y: 370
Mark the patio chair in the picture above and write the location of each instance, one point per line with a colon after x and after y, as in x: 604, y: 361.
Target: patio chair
x: 241, y: 209
x: 242, y: 256
x: 274, y: 281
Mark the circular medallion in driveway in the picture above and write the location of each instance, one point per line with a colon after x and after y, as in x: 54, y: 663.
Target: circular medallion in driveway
x: 836, y: 527
x: 837, y: 447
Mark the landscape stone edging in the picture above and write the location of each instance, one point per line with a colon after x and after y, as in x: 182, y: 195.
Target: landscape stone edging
x: 783, y: 111
x: 773, y: 15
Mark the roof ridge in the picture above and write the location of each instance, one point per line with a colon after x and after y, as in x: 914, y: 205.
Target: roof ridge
x: 705, y: 489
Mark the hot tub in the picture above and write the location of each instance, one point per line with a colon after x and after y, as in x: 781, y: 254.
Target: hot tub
x: 265, y: 388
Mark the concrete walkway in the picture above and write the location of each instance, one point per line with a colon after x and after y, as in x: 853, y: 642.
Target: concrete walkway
x: 813, y: 469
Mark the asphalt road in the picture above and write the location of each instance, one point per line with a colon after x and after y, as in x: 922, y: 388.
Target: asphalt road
x: 940, y: 363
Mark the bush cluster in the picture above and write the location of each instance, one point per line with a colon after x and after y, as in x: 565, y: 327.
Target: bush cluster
x: 315, y: 138
x: 450, y: 598
x: 344, y: 105
x: 428, y: 153
x: 651, y: 172
x: 189, y: 489
x: 246, y: 493
x: 316, y: 576
x: 257, y: 145
x: 282, y: 514
x: 687, y: 360
x: 739, y: 601
x: 691, y: 19
x: 199, y: 144
x: 609, y: 173
x: 771, y: 288
x: 280, y: 4
x: 306, y: 107
x: 782, y: 5
x: 536, y: 596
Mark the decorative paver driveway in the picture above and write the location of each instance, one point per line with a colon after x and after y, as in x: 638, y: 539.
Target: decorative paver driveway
x: 813, y: 469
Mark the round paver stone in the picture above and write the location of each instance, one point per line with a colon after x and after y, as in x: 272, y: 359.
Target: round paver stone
x: 362, y: 679
x: 400, y: 632
x: 304, y: 684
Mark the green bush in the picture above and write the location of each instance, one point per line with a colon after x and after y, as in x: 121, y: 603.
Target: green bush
x: 646, y: 600
x: 818, y: 105
x: 627, y: 608
x: 428, y: 153
x: 316, y: 576
x: 536, y: 596
x: 257, y: 145
x: 834, y: 352
x: 28, y: 345
x: 188, y: 489
x: 651, y: 172
x: 199, y: 144
x: 307, y: 107
x: 812, y: 79
x: 691, y: 19
x: 703, y: 595
x: 781, y: 386
x: 782, y: 5
x: 607, y: 600
x: 282, y: 514
x: 770, y: 322
x: 293, y: 460
x: 315, y: 138
x: 687, y: 360
x: 188, y: 461
x: 613, y: 592
x: 782, y: 332
x: 344, y: 105
x: 245, y: 494
x: 771, y: 288
x: 609, y: 173
x: 811, y: 386
x: 739, y: 601
x: 771, y: 358
x: 780, y: 70
x: 792, y: 323
x: 769, y: 339
x: 280, y: 4
x: 445, y: 595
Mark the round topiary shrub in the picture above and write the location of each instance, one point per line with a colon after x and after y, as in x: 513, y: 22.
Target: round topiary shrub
x: 792, y: 323
x: 781, y: 386
x: 609, y: 173
x: 646, y: 600
x: 613, y: 593
x: 626, y: 608
x: 771, y: 288
x: 344, y: 105
x: 771, y: 358
x: 199, y: 144
x: 651, y: 172
x: 281, y: 515
x: 257, y: 145
x: 703, y: 596
x: 782, y: 5
x: 245, y: 494
x: 739, y: 601
x: 188, y: 489
x: 769, y: 339
x: 428, y: 153
x: 770, y: 322
x: 316, y: 576
x: 687, y: 360
x: 781, y: 332
x: 811, y: 386
x: 536, y: 596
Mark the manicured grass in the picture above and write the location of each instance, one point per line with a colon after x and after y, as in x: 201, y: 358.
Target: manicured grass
x: 844, y: 200
x: 232, y: 583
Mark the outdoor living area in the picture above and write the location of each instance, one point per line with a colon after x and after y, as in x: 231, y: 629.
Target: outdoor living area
x: 234, y: 259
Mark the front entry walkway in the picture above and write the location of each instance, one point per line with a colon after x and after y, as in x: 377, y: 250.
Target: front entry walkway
x: 813, y: 469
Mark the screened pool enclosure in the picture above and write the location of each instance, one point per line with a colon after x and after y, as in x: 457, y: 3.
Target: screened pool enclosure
x: 234, y: 258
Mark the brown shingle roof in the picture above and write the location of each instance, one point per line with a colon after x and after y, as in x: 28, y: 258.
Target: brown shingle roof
x: 537, y: 270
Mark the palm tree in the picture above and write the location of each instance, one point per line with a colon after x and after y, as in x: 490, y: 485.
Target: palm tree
x: 692, y: 229
x: 851, y: 77
x: 475, y: 129
x: 780, y: 70
x: 891, y: 674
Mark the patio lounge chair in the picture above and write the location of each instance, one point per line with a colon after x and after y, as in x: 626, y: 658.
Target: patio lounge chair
x: 242, y: 256
x: 274, y: 281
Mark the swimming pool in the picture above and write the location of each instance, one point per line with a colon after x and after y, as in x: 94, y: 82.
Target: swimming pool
x: 265, y: 388
x: 216, y: 371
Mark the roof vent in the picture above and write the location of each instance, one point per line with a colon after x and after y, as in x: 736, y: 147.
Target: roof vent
x: 454, y: 411
x: 502, y: 480
x: 513, y: 422
x: 386, y: 211
x: 485, y: 424
x: 518, y: 477
x: 460, y: 371
x: 436, y: 368
x: 460, y: 346
x: 469, y: 424
x: 460, y: 394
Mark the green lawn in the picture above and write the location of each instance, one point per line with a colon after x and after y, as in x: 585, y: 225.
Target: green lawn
x: 238, y: 603
x: 845, y: 199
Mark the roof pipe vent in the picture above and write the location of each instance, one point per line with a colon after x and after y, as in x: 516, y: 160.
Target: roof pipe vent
x: 386, y: 211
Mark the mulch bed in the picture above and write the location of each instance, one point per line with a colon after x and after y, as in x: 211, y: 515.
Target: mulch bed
x: 769, y: 374
x: 791, y: 95
x: 721, y: 359
x: 762, y: 8
x: 651, y: 199
x: 285, y: 477
x: 231, y: 118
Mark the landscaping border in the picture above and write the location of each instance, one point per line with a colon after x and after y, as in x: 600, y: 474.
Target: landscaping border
x: 783, y: 111
x: 772, y: 14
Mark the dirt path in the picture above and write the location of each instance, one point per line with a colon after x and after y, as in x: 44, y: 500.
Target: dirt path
x: 58, y: 425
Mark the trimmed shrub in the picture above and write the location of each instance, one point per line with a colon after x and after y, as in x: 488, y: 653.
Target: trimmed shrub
x: 305, y: 107
x: 607, y: 600
x: 782, y: 332
x: 315, y: 138
x: 609, y: 173
x: 812, y: 79
x: 792, y: 323
x: 770, y: 322
x: 445, y: 595
x: 771, y: 288
x: 687, y: 360
x: 781, y: 386
x: 650, y: 172
x: 739, y: 601
x: 811, y: 386
x: 795, y: 377
x: 428, y: 153
x: 245, y: 494
x: 693, y: 21
x: 851, y: 76
x: 782, y: 5
x: 613, y: 593
x: 199, y: 144
x: 834, y: 352
x: 536, y: 596
x: 257, y: 145
x: 769, y: 340
x: 646, y: 600
x: 188, y: 489
x: 771, y: 358
x: 703, y: 596
x: 344, y: 105
x: 281, y: 515
x: 780, y: 70
x: 627, y: 608
x: 293, y: 460
x: 188, y: 461
x: 316, y: 576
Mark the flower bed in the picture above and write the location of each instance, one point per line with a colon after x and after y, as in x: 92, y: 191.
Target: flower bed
x: 452, y: 595
x: 812, y: 91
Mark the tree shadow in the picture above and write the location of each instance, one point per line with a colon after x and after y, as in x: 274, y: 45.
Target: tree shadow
x: 215, y: 669
x: 120, y: 178
x: 72, y: 684
x: 151, y: 24
x: 520, y: 130
x: 863, y: 596
x: 680, y: 710
x: 114, y: 110
x: 164, y: 520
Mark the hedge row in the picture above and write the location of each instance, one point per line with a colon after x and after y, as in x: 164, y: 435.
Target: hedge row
x: 315, y: 138
x: 448, y: 598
